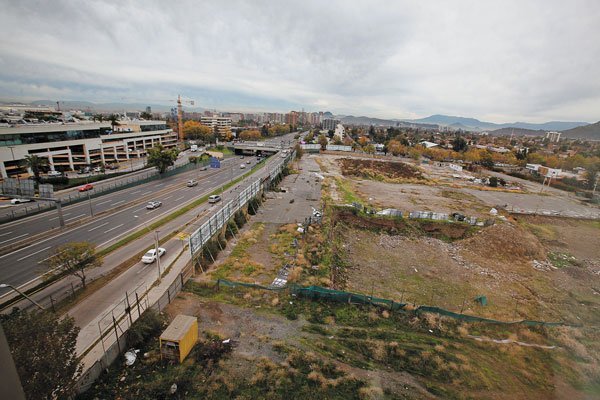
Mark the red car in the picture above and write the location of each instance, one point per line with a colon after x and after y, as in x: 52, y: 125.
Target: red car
x: 86, y: 187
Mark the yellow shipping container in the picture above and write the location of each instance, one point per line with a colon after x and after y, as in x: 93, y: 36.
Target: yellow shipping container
x: 179, y: 338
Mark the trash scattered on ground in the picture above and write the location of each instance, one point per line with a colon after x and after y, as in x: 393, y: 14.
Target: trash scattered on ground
x: 130, y: 357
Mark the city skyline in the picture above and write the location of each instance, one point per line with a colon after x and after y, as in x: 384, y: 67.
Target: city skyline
x: 500, y: 62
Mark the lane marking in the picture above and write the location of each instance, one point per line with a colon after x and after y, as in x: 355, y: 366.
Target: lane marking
x: 159, y: 185
x: 179, y: 198
x: 47, y: 258
x: 137, y: 191
x: 103, y: 202
x: 99, y: 226
x: 16, y: 237
x: 7, y: 233
x: 112, y: 229
x: 167, y: 198
x: 33, y: 254
x: 80, y: 215
x: 53, y: 218
x: 150, y: 192
x: 118, y: 202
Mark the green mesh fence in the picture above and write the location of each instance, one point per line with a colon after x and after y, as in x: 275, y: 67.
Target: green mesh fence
x: 321, y: 293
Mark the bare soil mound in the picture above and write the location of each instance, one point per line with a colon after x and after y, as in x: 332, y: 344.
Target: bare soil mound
x: 506, y: 242
x: 379, y: 170
x: 407, y: 227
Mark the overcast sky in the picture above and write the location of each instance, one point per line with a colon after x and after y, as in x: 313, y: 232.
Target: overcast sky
x: 499, y: 61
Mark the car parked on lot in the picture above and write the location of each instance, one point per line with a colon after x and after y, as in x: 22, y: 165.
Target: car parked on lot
x: 84, y: 170
x: 98, y: 169
x: 242, y: 166
x: 248, y: 162
x: 150, y: 256
x: 214, y: 199
x: 86, y: 187
x: 54, y: 173
x: 20, y: 200
x: 192, y: 183
x: 153, y: 204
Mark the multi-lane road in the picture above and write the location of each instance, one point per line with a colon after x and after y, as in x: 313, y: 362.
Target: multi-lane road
x: 116, y: 215
x: 128, y: 214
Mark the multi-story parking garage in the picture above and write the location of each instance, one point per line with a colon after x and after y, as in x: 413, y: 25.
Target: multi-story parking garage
x: 69, y: 146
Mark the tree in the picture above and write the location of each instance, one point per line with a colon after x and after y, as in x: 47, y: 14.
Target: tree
x: 161, y: 158
x: 98, y: 117
x: 396, y: 148
x: 459, y: 144
x: 146, y: 115
x: 493, y: 181
x: 363, y: 141
x: 299, y: 151
x: 370, y: 148
x: 194, y: 130
x: 592, y: 175
x: 323, y: 142
x: 371, y: 131
x: 36, y: 164
x: 114, y: 121
x: 42, y: 345
x: 250, y: 135
x: 74, y: 259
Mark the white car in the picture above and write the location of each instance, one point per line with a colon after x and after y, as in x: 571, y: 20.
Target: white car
x: 54, y: 173
x: 153, y: 204
x: 150, y: 256
x: 214, y: 199
x: 243, y: 166
x: 20, y: 200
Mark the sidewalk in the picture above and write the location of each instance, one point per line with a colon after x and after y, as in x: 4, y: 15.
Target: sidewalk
x: 90, y: 333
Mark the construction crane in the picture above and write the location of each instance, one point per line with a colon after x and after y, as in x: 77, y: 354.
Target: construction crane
x: 180, y: 115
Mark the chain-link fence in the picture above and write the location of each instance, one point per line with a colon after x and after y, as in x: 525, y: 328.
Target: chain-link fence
x: 113, y: 324
x: 100, y: 190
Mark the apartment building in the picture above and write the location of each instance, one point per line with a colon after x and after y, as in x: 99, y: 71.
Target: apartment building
x: 222, y: 124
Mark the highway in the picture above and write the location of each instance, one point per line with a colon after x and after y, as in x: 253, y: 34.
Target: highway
x: 123, y: 211
x: 19, y: 230
x: 24, y: 265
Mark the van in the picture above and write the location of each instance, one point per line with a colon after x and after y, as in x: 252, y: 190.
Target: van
x: 194, y: 147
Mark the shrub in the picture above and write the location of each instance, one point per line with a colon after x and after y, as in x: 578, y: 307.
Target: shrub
x: 148, y: 325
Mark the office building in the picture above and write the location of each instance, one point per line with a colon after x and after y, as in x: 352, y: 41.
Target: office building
x: 70, y: 146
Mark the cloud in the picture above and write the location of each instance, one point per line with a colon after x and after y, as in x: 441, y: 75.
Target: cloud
x: 501, y: 60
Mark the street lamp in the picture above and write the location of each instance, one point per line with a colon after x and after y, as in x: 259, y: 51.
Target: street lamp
x: 4, y: 285
x: 157, y: 255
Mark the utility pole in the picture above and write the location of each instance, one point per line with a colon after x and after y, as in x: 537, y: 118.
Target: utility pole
x: 90, y: 202
x: 157, y: 255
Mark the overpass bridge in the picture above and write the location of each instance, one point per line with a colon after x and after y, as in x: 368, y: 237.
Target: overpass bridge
x: 260, y: 147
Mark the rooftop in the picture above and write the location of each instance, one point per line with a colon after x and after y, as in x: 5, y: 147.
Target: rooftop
x: 178, y: 328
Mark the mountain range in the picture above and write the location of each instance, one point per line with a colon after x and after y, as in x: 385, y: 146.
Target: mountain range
x: 570, y: 129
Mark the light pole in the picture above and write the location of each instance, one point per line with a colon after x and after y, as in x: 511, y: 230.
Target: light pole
x: 157, y: 255
x: 4, y: 285
x: 90, y: 202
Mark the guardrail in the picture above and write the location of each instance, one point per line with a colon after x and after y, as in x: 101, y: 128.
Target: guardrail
x: 99, y: 191
x: 218, y: 220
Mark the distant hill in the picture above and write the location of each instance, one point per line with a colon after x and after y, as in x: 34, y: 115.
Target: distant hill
x: 475, y: 124
x: 584, y: 132
x: 517, y: 132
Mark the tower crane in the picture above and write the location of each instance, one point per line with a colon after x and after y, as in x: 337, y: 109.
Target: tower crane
x: 180, y: 115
